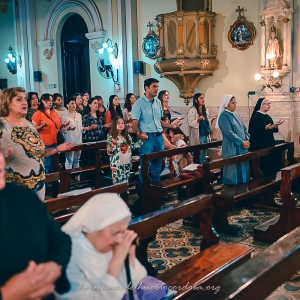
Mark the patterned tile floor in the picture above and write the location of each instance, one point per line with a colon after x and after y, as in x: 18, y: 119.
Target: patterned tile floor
x: 176, y: 242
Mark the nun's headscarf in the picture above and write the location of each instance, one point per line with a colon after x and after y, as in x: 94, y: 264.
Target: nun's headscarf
x: 225, y: 101
x: 258, y: 105
x: 100, y: 211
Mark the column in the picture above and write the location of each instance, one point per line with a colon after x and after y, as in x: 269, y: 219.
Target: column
x: 285, y: 42
x: 132, y: 46
x: 26, y: 43
x: 263, y: 45
x: 210, y: 5
x: 267, y: 36
x: 210, y: 35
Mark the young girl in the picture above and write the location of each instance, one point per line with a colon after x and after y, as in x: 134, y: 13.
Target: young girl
x: 178, y: 139
x: 119, y: 145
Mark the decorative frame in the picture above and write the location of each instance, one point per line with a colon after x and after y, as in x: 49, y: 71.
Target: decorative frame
x: 242, y: 33
x: 151, y: 43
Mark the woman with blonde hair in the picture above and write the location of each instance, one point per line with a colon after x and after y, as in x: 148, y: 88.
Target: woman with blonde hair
x: 23, y: 147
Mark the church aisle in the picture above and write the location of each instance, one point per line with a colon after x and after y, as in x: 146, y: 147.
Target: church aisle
x: 177, y: 242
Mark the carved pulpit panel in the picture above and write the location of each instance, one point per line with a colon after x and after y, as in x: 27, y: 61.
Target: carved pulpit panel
x: 171, y: 34
x: 190, y: 36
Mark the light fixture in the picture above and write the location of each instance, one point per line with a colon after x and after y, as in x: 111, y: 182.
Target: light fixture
x: 269, y: 81
x: 12, y: 61
x: 110, y: 48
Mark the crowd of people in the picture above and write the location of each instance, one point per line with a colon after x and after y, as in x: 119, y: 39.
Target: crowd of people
x: 93, y: 246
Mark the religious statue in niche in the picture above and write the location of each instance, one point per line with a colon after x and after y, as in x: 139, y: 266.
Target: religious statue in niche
x: 241, y: 33
x: 151, y: 43
x: 274, y: 52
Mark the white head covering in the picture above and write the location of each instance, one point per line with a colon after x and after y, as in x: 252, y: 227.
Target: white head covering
x: 225, y: 101
x: 100, y: 211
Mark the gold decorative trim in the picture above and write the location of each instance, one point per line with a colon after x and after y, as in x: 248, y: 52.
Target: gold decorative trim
x: 180, y: 64
x: 202, y: 20
x: 179, y: 20
x: 214, y: 50
x: 48, y: 53
x: 202, y: 49
x: 158, y: 68
x: 204, y: 64
x: 180, y: 50
x: 160, y: 52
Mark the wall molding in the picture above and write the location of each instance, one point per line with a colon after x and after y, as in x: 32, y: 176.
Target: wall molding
x: 88, y: 10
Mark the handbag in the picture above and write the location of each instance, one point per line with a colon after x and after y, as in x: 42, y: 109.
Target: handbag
x: 60, y: 137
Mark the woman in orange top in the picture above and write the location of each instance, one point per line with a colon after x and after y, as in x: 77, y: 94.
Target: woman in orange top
x: 47, y: 123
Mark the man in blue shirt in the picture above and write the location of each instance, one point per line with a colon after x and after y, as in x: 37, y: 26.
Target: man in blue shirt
x: 146, y: 114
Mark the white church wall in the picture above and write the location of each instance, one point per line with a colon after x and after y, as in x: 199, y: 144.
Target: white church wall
x: 52, y: 69
x: 237, y: 68
x: 99, y: 85
x: 7, y: 37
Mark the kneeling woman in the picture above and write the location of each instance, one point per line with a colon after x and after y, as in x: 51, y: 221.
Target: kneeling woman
x: 100, y: 244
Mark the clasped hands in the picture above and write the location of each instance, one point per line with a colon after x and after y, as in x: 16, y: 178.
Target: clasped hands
x: 36, y: 282
x: 269, y: 126
x: 143, y: 136
x: 246, y: 144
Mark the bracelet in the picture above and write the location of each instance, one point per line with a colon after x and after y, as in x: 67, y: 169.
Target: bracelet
x: 55, y: 149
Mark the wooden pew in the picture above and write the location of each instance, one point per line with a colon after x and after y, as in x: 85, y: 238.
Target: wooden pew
x: 64, y: 208
x: 153, y: 193
x: 214, y: 260
x: 63, y: 185
x: 260, y: 187
x: 101, y: 163
x: 65, y: 176
x: 258, y: 277
x: 60, y: 158
x: 289, y: 217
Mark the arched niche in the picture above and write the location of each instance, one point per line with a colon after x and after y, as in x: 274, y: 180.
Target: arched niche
x: 60, y: 10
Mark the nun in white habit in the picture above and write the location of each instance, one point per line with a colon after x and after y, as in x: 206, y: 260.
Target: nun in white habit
x: 235, y: 141
x: 100, y: 244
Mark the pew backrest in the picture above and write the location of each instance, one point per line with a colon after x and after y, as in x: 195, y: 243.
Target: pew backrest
x: 147, y: 225
x: 59, y: 158
x: 62, y: 203
x: 253, y: 156
x: 262, y: 274
x: 168, y: 153
x: 288, y: 174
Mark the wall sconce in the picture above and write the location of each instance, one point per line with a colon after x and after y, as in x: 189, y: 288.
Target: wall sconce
x: 270, y: 84
x: 12, y: 61
x: 110, y: 48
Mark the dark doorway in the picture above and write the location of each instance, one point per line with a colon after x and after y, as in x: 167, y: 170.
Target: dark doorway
x: 75, y: 56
